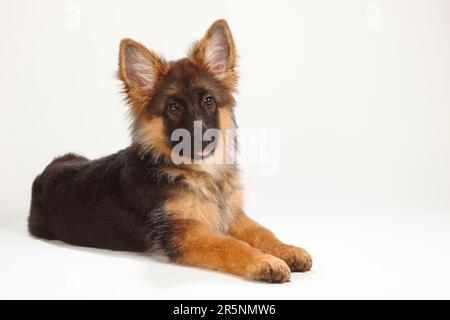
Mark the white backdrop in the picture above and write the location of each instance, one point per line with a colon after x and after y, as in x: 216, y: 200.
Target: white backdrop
x: 359, y: 91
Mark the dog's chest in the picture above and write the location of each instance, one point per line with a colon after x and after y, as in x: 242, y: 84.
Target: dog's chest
x: 205, y: 199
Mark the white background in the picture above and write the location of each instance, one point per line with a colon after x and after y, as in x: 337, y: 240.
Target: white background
x: 358, y: 89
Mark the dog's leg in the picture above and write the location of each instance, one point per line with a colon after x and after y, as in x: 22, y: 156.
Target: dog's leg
x: 198, y: 246
x: 245, y: 229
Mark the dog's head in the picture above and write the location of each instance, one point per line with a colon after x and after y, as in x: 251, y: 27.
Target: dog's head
x: 183, y: 100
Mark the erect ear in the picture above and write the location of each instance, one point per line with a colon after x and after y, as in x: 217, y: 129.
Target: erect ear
x: 216, y: 52
x: 139, y: 68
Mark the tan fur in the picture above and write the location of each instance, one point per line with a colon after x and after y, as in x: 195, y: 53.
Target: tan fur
x: 197, y: 53
x: 151, y: 132
x: 190, y: 206
x: 227, y: 130
x: 236, y: 244
x: 245, y: 229
x: 236, y: 201
x: 135, y: 94
x: 225, y: 120
x: 204, y: 197
x: 203, y: 248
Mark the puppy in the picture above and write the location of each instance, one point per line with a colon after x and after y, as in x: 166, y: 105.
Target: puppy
x: 149, y: 198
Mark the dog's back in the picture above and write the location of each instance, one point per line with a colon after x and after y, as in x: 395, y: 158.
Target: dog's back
x: 90, y: 203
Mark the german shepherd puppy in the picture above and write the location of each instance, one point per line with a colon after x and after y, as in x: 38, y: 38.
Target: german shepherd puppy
x: 141, y: 199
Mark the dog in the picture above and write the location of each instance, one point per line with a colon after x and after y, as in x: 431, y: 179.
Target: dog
x: 145, y: 199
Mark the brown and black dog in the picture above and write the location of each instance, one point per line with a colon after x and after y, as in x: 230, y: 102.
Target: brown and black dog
x: 140, y: 199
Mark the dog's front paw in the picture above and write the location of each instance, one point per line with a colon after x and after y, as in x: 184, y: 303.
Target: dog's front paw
x: 269, y: 269
x: 298, y: 259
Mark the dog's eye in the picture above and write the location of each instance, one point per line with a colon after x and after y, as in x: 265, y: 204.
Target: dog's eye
x: 174, y: 107
x: 208, y: 100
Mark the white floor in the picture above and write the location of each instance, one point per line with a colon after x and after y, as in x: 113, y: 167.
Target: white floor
x: 355, y: 256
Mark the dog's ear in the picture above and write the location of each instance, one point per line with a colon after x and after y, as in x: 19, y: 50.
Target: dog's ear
x: 139, y: 69
x: 217, y: 53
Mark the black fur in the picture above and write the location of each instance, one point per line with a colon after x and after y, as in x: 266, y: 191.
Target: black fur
x: 115, y: 202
